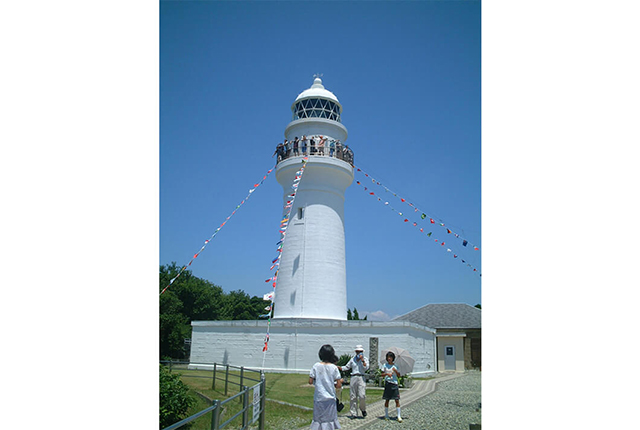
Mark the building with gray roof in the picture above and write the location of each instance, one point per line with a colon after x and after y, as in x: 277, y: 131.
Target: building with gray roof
x: 458, y: 333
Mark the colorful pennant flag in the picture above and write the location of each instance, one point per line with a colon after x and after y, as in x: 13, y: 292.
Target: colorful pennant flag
x: 284, y: 223
x: 423, y: 215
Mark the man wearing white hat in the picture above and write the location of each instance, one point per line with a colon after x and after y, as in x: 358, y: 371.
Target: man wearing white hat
x: 358, y: 365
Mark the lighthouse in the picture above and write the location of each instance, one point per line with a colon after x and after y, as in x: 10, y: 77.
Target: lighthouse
x: 312, y: 279
x: 310, y: 302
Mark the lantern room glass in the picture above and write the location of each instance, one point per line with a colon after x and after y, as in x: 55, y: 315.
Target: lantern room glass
x: 316, y: 108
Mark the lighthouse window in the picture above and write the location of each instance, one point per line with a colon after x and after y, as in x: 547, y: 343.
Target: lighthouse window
x: 300, y: 213
x: 316, y: 108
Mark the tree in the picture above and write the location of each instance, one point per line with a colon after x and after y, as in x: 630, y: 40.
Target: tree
x: 354, y: 315
x: 174, y: 326
x: 478, y: 306
x: 190, y: 298
x: 237, y: 305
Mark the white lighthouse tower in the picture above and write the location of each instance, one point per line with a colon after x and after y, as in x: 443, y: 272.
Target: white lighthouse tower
x: 312, y: 279
x: 310, y: 303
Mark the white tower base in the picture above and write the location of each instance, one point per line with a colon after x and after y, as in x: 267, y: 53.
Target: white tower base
x: 312, y: 281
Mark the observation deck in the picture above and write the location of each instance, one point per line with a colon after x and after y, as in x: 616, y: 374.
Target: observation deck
x: 330, y: 149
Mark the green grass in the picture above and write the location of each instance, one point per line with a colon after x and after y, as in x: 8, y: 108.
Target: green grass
x: 286, y: 387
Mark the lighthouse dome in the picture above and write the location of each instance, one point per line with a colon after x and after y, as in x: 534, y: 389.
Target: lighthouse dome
x: 317, y: 90
x: 316, y: 102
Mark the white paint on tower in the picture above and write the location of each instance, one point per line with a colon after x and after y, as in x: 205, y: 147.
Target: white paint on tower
x: 311, y: 280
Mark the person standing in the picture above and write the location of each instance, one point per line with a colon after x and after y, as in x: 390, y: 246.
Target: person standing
x: 348, y: 155
x: 321, y: 144
x: 295, y: 146
x: 358, y: 366
x: 325, y: 376
x: 287, y: 148
x: 391, y: 390
x: 280, y: 151
x: 312, y: 146
x: 304, y: 145
x: 332, y: 147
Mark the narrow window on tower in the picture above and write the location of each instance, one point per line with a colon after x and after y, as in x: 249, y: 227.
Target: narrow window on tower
x: 300, y: 213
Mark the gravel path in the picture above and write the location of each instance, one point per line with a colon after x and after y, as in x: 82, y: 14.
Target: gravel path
x: 453, y: 406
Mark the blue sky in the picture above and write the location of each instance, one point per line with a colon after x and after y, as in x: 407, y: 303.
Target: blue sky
x: 408, y: 77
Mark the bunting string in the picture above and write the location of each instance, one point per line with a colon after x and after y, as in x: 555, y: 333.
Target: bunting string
x: 423, y: 216
x: 275, y: 263
x: 206, y: 242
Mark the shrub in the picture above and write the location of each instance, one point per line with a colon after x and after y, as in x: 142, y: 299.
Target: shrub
x: 404, y: 381
x: 175, y: 400
x: 342, y: 361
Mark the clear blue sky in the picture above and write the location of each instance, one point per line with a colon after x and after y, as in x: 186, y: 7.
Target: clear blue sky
x: 408, y: 77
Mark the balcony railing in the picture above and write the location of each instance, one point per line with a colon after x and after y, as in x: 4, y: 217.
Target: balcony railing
x: 314, y: 146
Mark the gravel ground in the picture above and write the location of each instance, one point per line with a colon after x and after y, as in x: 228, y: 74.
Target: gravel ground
x: 453, y: 406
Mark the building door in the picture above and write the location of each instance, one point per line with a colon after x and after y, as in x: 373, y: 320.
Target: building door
x: 449, y: 357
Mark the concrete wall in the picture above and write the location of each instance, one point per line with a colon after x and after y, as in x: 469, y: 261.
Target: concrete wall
x: 294, y: 344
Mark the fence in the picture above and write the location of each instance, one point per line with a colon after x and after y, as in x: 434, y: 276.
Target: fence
x: 257, y: 402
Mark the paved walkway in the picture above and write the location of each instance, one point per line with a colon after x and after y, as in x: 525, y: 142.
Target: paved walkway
x: 375, y: 410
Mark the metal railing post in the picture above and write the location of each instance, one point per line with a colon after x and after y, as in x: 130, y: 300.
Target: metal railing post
x: 241, y: 376
x: 245, y: 407
x: 226, y: 381
x: 215, y: 415
x: 213, y: 384
x: 263, y: 401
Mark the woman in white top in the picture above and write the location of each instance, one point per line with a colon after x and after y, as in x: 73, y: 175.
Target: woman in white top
x: 326, y: 378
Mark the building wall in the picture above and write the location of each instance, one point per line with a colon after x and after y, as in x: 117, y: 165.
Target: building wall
x: 458, y: 343
x: 294, y: 344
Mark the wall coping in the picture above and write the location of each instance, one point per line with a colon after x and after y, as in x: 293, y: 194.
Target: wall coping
x: 313, y: 323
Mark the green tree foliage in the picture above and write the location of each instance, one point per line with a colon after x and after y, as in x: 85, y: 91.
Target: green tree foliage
x: 353, y: 316
x: 175, y: 400
x: 478, y: 306
x: 193, y: 299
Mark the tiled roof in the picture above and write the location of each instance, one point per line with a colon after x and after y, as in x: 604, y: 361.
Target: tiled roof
x: 444, y: 316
